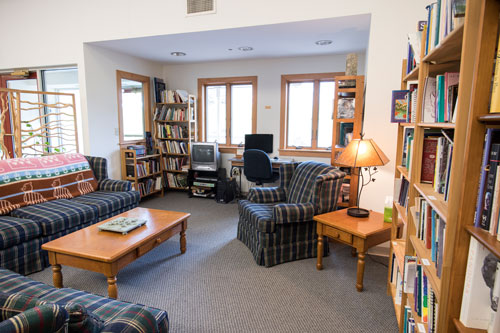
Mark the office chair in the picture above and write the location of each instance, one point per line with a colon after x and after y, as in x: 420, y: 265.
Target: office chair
x: 258, y: 168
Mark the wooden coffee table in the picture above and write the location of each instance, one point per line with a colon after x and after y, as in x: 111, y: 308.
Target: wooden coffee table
x: 107, y: 252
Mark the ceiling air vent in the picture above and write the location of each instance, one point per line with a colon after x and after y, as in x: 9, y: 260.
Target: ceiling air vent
x: 197, y: 7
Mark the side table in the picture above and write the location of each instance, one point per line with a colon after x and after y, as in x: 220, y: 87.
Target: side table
x: 360, y: 233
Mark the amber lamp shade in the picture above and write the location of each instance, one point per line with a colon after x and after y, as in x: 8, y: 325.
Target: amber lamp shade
x: 362, y: 153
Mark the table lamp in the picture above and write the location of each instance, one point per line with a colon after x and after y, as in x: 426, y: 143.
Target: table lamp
x: 362, y: 153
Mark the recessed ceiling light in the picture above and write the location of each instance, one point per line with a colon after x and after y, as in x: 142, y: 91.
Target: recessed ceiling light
x: 245, y: 48
x: 323, y: 42
x: 178, y: 54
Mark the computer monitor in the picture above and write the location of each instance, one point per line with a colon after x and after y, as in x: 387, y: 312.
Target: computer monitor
x: 259, y: 141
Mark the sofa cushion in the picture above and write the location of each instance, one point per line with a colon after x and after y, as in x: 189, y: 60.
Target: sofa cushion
x: 14, y: 231
x: 108, y: 202
x: 24, y: 258
x: 58, y: 215
x: 47, y: 318
x: 11, y: 282
x: 143, y: 321
x: 259, y: 215
x: 301, y: 185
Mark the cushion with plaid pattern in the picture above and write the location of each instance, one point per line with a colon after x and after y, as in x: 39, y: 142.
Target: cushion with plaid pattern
x: 11, y: 282
x: 15, y: 231
x: 46, y: 318
x: 132, y: 319
x: 303, y: 180
x: 58, y: 215
x: 260, y: 215
x: 108, y: 202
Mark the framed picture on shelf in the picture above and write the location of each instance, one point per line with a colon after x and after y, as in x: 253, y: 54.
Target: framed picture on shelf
x: 345, y: 108
x: 399, y: 106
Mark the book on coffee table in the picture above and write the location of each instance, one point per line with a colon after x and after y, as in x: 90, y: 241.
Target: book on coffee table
x: 122, y: 224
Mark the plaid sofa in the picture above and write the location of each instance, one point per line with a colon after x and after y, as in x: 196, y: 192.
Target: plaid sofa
x: 24, y: 230
x: 31, y: 306
x: 276, y: 223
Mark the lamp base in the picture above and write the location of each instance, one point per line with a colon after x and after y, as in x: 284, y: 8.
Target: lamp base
x: 358, y: 212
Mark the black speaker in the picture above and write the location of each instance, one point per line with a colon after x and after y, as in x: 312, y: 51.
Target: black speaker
x: 226, y: 190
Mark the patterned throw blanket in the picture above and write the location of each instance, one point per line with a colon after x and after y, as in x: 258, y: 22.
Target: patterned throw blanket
x: 28, y: 181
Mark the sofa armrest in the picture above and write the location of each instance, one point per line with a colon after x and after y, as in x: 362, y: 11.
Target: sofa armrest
x: 41, y: 318
x: 132, y: 319
x: 266, y: 195
x: 114, y: 185
x: 293, y: 213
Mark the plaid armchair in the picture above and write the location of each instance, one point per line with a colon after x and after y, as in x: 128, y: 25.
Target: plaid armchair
x: 276, y: 223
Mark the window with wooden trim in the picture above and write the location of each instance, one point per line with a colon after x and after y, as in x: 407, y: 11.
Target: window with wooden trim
x: 133, y: 106
x: 306, y: 113
x: 228, y: 109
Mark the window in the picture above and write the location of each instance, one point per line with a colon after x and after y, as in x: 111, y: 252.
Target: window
x: 133, y: 103
x: 228, y: 109
x: 306, y: 113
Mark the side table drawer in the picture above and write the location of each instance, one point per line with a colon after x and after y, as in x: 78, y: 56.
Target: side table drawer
x: 338, y: 234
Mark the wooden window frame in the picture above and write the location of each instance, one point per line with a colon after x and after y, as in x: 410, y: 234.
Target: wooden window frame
x: 313, y: 151
x: 228, y: 82
x: 146, y: 88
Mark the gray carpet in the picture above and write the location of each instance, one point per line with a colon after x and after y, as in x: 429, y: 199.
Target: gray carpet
x: 217, y: 287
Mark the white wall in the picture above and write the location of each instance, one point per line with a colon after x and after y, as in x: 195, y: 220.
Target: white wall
x: 268, y: 72
x: 63, y: 26
x: 102, y: 101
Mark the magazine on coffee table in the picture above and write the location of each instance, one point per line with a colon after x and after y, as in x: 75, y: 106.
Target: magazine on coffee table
x: 122, y: 224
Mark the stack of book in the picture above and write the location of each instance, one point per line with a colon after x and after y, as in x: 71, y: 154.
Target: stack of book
x: 171, y: 132
x: 177, y: 163
x: 177, y: 181
x: 174, y: 96
x: 443, y: 17
x: 440, y: 98
x: 173, y: 147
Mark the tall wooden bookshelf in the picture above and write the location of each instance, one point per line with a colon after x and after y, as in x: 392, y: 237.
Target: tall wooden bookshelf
x: 174, y: 132
x: 470, y: 50
x: 347, y: 98
x: 143, y: 171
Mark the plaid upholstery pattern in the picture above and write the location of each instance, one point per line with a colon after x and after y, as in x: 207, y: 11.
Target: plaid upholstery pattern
x: 277, y: 232
x: 24, y: 258
x: 58, y: 215
x: 266, y: 194
x: 47, y: 318
x: 293, y: 213
x: 114, y: 185
x: 108, y: 202
x: 11, y: 282
x: 141, y: 320
x: 99, y: 166
x: 14, y: 231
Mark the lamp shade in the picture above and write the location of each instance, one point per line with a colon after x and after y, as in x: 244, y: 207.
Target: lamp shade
x: 362, y: 153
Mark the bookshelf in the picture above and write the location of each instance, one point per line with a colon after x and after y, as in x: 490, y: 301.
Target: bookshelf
x: 175, y: 129
x: 143, y: 171
x: 469, y: 50
x: 347, y: 118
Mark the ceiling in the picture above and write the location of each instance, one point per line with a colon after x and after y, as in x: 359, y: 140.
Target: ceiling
x: 348, y: 34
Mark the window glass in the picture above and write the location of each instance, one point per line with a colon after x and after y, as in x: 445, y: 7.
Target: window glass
x: 325, y: 113
x: 133, y: 109
x: 216, y: 113
x: 241, y: 112
x: 300, y: 114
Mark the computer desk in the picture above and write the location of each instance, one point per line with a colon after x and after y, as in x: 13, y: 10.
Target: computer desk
x: 237, y: 162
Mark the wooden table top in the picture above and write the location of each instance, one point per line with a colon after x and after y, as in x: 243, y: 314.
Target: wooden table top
x: 361, y: 227
x: 107, y: 246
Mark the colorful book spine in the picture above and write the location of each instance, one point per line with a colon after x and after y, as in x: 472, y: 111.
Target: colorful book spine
x: 490, y: 186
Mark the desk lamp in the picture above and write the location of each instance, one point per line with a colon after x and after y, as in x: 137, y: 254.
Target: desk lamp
x: 362, y: 153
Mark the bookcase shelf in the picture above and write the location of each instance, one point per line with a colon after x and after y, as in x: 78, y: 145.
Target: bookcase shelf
x: 401, y: 212
x: 491, y: 118
x: 484, y: 237
x: 449, y: 49
x: 430, y: 270
x: 403, y: 170
x: 413, y: 75
x: 130, y: 165
x: 462, y: 329
x: 436, y: 200
x: 437, y: 125
x: 418, y: 319
x: 399, y: 251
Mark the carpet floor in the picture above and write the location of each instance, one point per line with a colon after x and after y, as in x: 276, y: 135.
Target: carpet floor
x: 217, y: 287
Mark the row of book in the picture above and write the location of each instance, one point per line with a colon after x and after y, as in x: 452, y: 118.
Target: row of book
x: 174, y: 96
x: 174, y: 147
x: 481, y: 293
x: 165, y: 113
x: 488, y: 198
x: 440, y: 98
x: 437, y: 154
x: 140, y: 150
x: 176, y: 163
x: 150, y: 185
x: 431, y: 229
x: 177, y: 180
x: 443, y: 17
x: 143, y: 168
x: 172, y: 132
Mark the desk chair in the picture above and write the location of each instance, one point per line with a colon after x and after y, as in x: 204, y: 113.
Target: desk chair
x: 258, y: 168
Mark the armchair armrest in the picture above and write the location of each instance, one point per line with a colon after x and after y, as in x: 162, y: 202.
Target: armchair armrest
x: 132, y: 319
x: 41, y: 318
x: 266, y: 194
x: 114, y: 185
x: 293, y: 212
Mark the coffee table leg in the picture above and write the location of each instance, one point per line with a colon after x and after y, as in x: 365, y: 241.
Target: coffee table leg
x: 112, y: 289
x: 361, y: 271
x: 57, y: 276
x: 319, y: 264
x: 183, y: 241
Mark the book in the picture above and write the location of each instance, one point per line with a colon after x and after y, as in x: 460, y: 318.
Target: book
x: 494, y: 325
x: 429, y: 101
x: 495, y: 91
x: 490, y: 186
x: 475, y: 310
x: 495, y: 205
x: 399, y: 106
x: 428, y: 159
x: 410, y: 270
x: 451, y: 80
x: 440, y: 101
